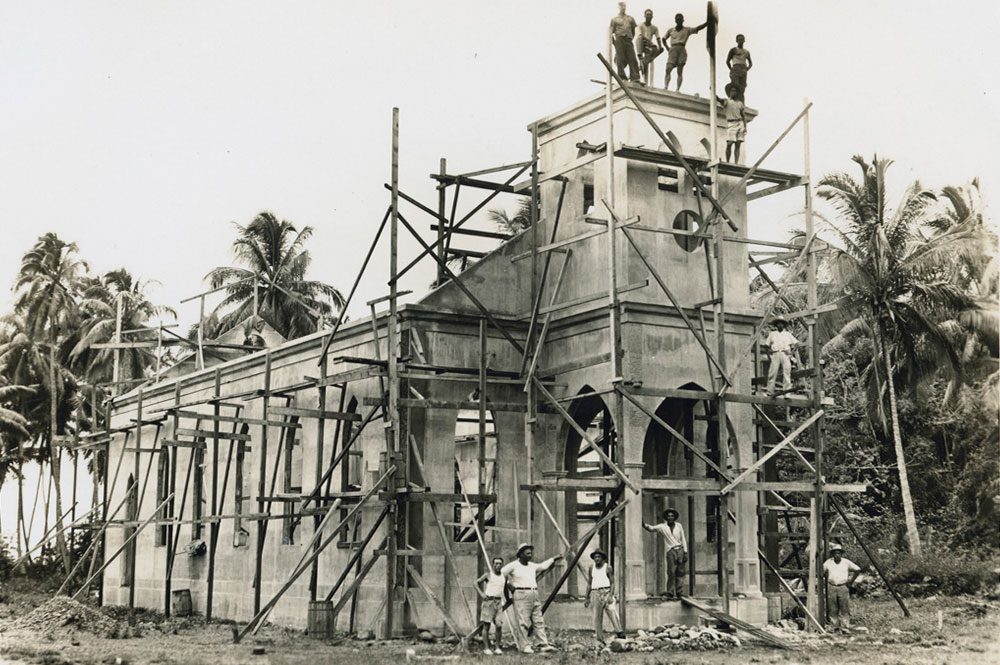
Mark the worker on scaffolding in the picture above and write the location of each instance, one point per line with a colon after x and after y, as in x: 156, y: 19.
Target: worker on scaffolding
x: 676, y: 545
x: 739, y: 63
x: 677, y: 54
x: 622, y: 31
x: 781, y: 343
x: 736, y: 121
x: 648, y: 44
x: 521, y: 575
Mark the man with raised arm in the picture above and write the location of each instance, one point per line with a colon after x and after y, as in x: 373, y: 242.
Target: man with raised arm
x: 676, y: 545
x: 522, y: 577
x: 677, y: 54
x: 622, y: 31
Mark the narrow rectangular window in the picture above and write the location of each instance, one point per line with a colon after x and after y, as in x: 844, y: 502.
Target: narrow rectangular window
x: 666, y: 180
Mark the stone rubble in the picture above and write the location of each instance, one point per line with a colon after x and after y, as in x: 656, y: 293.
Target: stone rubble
x: 674, y: 636
x: 62, y: 612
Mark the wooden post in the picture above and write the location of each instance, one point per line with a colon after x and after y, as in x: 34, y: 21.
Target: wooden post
x: 393, y: 371
x: 817, y: 381
x: 442, y: 203
x: 481, y: 465
x: 201, y: 333
x: 133, y: 550
x: 320, y: 434
x: 168, y: 511
x: 261, y: 485
x: 105, y: 489
x: 217, y: 499
x: 116, y: 358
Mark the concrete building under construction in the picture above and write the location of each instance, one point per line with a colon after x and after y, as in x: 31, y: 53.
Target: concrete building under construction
x: 563, y: 389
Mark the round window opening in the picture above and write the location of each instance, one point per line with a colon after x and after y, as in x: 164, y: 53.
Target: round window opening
x: 687, y: 220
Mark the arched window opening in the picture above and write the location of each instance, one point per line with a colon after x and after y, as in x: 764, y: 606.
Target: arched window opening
x: 584, y: 508
x: 467, y: 469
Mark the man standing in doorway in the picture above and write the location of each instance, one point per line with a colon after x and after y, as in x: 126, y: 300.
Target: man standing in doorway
x: 840, y: 574
x: 622, y: 32
x: 676, y: 546
x: 677, y: 55
x: 521, y: 575
x: 739, y: 63
x: 648, y: 44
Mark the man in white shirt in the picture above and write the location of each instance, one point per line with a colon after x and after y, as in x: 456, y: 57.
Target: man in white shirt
x: 601, y: 595
x: 840, y: 574
x: 648, y: 44
x: 781, y: 342
x: 492, y: 607
x: 522, y: 577
x: 677, y: 55
x: 676, y: 546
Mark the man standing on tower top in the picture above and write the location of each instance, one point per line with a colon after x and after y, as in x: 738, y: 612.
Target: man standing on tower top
x: 677, y: 55
x: 648, y: 44
x: 739, y: 63
x: 622, y: 32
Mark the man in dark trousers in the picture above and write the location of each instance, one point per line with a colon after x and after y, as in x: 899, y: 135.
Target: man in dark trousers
x: 676, y: 545
x: 622, y: 32
x: 739, y: 63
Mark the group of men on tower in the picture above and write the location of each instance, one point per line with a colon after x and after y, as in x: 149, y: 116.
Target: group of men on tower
x: 649, y: 45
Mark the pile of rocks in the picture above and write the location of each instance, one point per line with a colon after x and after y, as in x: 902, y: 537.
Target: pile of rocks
x: 672, y: 637
x: 62, y: 612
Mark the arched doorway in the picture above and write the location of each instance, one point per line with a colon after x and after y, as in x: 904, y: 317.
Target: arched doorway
x: 665, y: 457
x: 584, y: 508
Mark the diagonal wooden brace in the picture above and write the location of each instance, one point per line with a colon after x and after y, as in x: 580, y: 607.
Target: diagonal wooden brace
x: 584, y: 436
x: 771, y: 453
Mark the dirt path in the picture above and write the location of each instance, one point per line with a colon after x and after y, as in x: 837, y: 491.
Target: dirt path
x: 967, y: 635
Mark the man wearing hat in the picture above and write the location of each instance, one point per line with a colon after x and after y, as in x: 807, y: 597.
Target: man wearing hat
x: 781, y: 342
x: 840, y: 574
x: 522, y: 577
x: 676, y: 546
x: 600, y: 594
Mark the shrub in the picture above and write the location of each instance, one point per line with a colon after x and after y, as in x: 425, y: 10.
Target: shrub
x: 941, y: 571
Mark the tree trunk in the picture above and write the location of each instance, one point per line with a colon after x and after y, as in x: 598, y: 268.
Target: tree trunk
x: 912, y: 535
x: 54, y: 454
x: 20, y: 501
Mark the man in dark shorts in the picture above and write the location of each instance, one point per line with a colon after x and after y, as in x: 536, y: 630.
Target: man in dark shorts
x: 739, y: 63
x: 677, y: 54
x: 622, y: 32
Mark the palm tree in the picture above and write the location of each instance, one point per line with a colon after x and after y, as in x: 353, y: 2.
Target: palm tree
x: 45, y: 284
x: 98, y: 307
x: 273, y: 261
x: 512, y: 224
x: 895, y: 290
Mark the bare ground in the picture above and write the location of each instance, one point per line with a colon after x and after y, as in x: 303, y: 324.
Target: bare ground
x: 970, y: 634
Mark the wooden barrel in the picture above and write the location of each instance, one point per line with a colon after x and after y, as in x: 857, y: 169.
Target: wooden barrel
x: 320, y: 619
x: 180, y: 603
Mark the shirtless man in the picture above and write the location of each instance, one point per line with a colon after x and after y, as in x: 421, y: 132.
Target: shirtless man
x: 622, y: 32
x: 739, y: 63
x: 677, y: 55
x: 648, y: 44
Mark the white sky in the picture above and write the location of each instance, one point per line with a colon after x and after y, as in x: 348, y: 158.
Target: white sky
x: 140, y: 130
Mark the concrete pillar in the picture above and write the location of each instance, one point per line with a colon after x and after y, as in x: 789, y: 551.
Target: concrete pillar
x: 635, y: 566
x: 746, y: 578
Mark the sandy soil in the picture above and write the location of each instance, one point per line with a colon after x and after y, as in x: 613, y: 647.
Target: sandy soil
x: 968, y: 635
